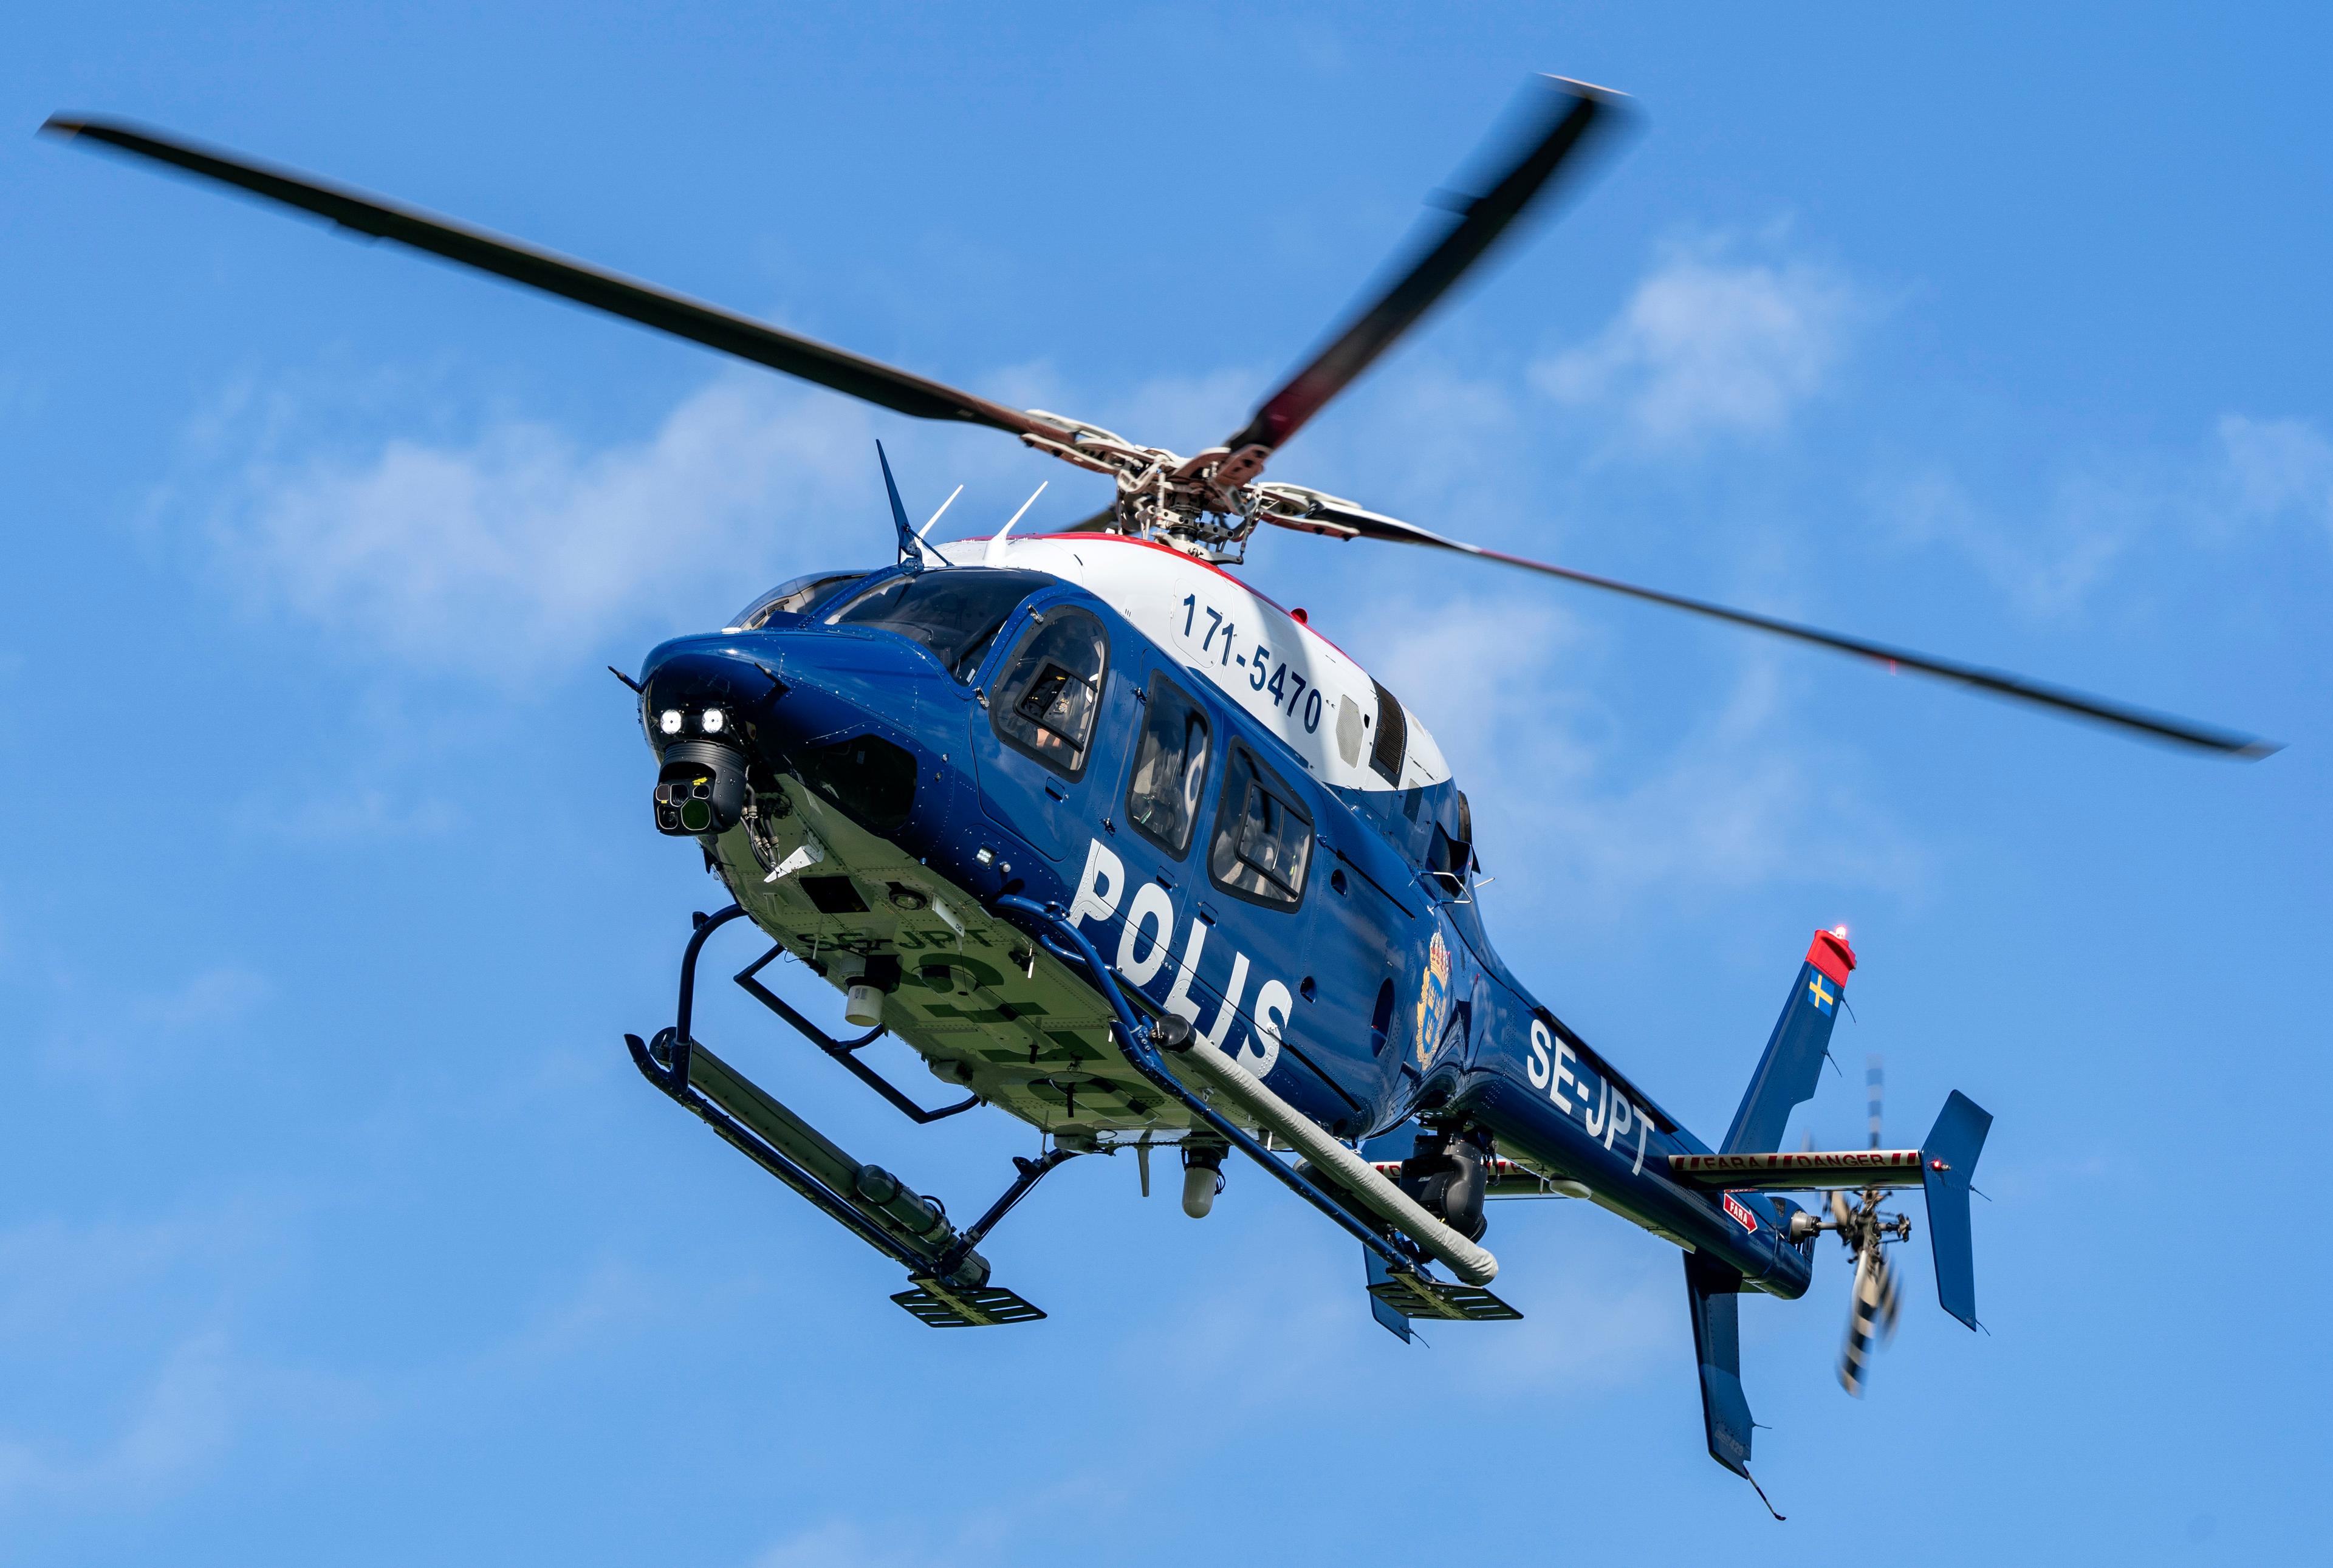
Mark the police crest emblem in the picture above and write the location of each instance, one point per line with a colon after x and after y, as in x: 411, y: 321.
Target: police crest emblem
x: 1433, y: 1000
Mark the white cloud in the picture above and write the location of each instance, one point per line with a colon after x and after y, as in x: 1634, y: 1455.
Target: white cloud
x: 183, y: 1419
x: 2252, y: 476
x: 115, y: 1037
x: 512, y: 547
x: 1708, y: 345
x: 1727, y: 807
x: 2277, y: 468
x: 2047, y: 560
x: 363, y: 815
x: 522, y: 546
x: 515, y: 548
x: 842, y: 1543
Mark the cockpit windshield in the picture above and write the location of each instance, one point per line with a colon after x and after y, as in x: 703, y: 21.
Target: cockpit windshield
x: 955, y: 612
x: 791, y: 599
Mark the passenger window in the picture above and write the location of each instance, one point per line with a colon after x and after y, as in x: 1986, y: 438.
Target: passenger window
x: 1170, y: 768
x: 1051, y: 689
x: 1392, y: 736
x: 1264, y: 838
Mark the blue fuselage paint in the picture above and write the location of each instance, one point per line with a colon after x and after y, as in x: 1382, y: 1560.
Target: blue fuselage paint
x: 1292, y: 991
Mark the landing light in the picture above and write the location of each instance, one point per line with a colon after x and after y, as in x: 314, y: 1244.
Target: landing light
x: 713, y: 720
x: 668, y: 721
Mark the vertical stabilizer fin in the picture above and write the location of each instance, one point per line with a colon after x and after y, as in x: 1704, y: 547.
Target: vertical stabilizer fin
x: 1714, y: 1292
x: 1794, y: 1053
x: 1947, y: 1162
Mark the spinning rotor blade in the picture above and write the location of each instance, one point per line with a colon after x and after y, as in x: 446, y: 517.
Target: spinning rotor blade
x: 1347, y: 520
x: 1870, y: 1317
x: 861, y: 378
x: 1562, y: 114
x: 1102, y: 521
x: 1875, y: 1085
x: 1890, y: 1304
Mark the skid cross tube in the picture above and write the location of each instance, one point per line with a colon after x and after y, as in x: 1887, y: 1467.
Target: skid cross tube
x: 796, y: 1153
x: 685, y: 1013
x: 1033, y: 1171
x: 843, y: 1051
x: 1135, y: 1043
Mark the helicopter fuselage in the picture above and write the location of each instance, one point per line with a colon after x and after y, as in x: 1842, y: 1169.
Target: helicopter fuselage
x: 1251, y: 831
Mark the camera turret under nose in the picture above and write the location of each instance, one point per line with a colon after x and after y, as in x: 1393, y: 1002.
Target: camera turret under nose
x: 700, y: 790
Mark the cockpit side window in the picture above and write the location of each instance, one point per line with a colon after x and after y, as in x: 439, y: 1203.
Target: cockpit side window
x: 1263, y: 838
x: 1392, y: 736
x: 790, y: 598
x: 1170, y: 768
x: 955, y: 612
x: 1050, y: 692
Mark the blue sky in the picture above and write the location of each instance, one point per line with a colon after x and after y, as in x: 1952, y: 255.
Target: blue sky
x: 339, y: 1228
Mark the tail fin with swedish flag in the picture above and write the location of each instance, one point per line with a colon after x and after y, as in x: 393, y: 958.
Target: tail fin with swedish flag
x: 1794, y: 1053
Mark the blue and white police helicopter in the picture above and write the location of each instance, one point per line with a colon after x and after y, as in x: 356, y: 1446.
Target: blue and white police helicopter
x: 1124, y: 849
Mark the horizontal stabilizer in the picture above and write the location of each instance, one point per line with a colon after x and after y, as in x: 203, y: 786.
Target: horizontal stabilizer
x: 1810, y: 1171
x: 1948, y: 1159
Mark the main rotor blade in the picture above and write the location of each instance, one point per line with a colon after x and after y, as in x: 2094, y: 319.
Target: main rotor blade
x: 861, y: 378
x: 1102, y: 521
x: 1561, y: 115
x: 1995, y: 682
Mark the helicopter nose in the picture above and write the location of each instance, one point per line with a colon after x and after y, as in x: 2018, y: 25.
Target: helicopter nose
x: 854, y: 718
x: 691, y: 692
x: 702, y: 704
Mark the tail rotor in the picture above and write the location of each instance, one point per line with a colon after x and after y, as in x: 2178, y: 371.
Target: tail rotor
x: 1865, y: 1231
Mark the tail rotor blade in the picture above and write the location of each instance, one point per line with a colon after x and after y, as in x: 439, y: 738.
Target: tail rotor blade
x: 1888, y: 1298
x: 1874, y: 1086
x: 1856, y: 1354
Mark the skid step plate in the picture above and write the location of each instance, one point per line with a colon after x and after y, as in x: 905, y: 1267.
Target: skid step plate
x: 1416, y: 1296
x: 943, y: 1308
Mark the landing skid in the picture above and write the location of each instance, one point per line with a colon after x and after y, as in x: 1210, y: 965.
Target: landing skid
x: 935, y: 1306
x: 950, y: 1279
x: 1418, y: 1295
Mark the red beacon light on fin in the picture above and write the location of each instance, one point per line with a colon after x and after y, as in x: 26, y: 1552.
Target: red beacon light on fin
x: 1830, y: 954
x: 1298, y: 617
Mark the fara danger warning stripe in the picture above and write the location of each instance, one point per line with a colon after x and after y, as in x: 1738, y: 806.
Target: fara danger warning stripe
x: 1853, y: 1167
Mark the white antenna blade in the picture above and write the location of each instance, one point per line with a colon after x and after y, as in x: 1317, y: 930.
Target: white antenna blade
x: 925, y: 532
x: 994, y: 556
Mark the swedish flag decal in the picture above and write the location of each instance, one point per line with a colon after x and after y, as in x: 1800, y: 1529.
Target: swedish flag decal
x: 1820, y: 991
